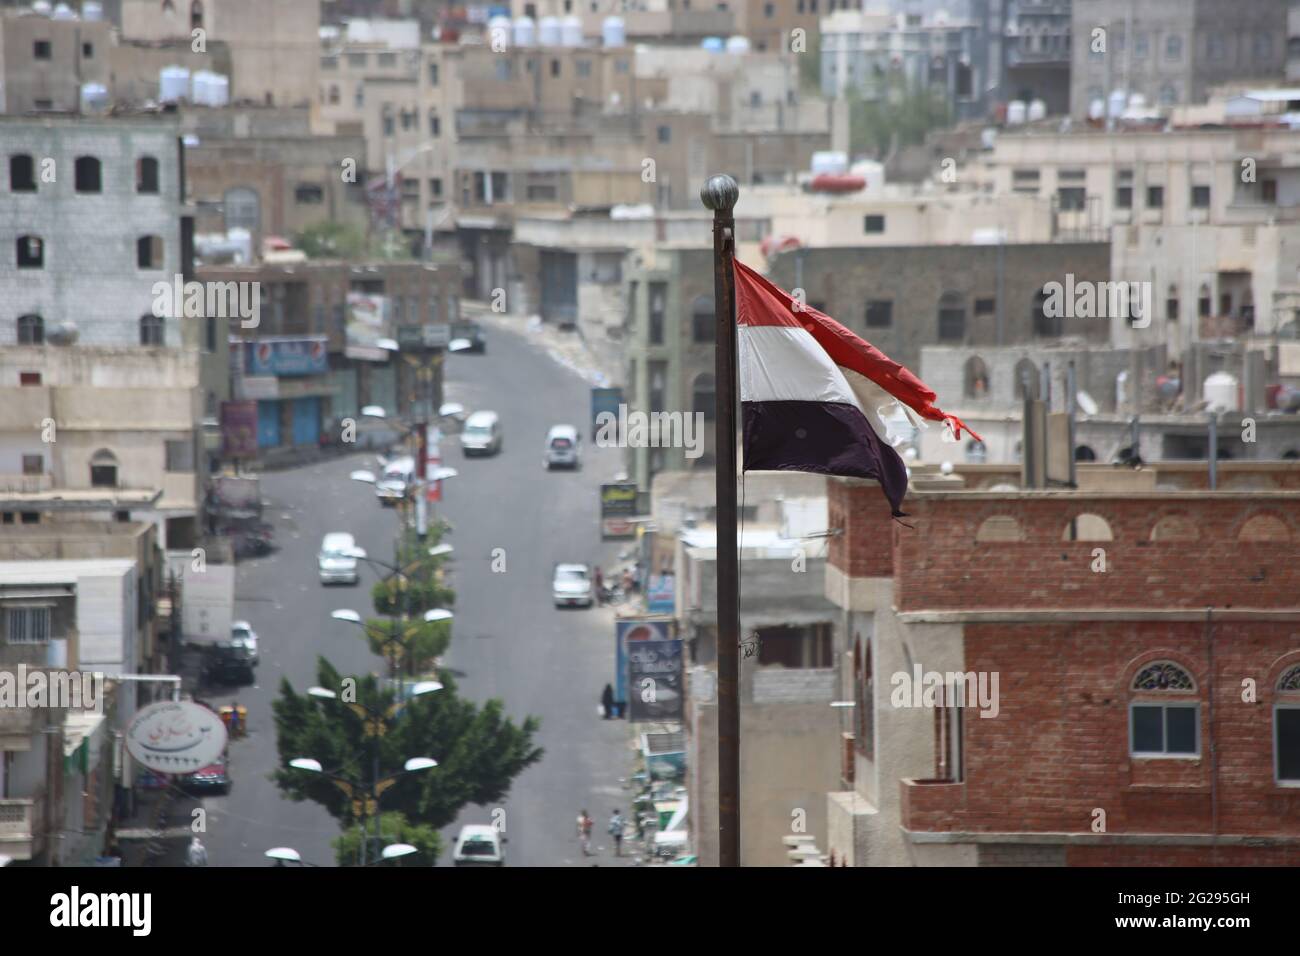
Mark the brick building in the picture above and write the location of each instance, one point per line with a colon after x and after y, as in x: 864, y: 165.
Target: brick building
x: 1144, y: 714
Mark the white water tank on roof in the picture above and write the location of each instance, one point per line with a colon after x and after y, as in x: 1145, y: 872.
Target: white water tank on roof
x: 524, y: 32
x: 570, y: 32
x: 613, y: 32
x: 64, y: 12
x: 548, y: 31
x: 42, y: 7
x: 1220, y: 393
x: 173, y: 84
x: 713, y: 44
x: 94, y: 98
x: 1017, y: 111
x: 1037, y: 110
x: 1097, y: 109
x: 738, y: 44
x: 92, y: 11
x: 830, y: 162
x: 499, y: 31
x: 1116, y: 102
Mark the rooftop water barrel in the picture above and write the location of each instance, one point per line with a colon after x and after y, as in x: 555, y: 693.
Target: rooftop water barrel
x: 1017, y: 111
x: 548, y: 31
x: 173, y: 84
x: 1221, y: 393
x: 570, y: 32
x: 524, y: 32
x: 613, y: 32
x: 1037, y: 110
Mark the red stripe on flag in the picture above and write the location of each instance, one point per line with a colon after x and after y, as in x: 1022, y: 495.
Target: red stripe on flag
x: 759, y: 302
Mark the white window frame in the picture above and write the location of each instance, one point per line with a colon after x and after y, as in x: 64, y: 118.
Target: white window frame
x: 1194, y: 705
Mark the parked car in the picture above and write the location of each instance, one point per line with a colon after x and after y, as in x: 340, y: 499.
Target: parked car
x: 393, y: 481
x: 214, y: 778
x: 478, y: 845
x: 481, y: 434
x: 337, y: 560
x: 563, y: 447
x: 228, y: 664
x: 571, y: 585
x: 243, y: 635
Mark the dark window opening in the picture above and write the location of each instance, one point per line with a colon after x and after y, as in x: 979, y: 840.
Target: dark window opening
x: 31, y: 252
x: 88, y: 175
x: 22, y: 174
x: 146, y: 175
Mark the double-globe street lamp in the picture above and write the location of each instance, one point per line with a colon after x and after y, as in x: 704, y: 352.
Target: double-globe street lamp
x: 287, y: 854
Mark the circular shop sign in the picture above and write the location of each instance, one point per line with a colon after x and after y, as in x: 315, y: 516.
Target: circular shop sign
x: 175, y: 737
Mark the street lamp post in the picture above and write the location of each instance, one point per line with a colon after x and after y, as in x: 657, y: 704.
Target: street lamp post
x: 393, y: 638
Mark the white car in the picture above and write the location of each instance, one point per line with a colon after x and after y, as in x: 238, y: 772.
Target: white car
x: 571, y: 586
x: 563, y: 447
x: 337, y: 560
x: 397, y: 474
x: 481, y: 434
x: 243, y: 636
x: 478, y: 845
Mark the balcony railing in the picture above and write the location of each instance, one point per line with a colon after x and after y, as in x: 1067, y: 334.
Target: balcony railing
x: 25, y: 484
x: 21, y: 832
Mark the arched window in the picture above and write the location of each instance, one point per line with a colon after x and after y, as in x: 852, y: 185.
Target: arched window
x: 1264, y: 527
x: 1084, y: 453
x: 702, y: 324
x: 88, y: 175
x: 977, y: 452
x: 242, y: 209
x: 30, y: 252
x: 196, y: 15
x: 146, y: 175
x: 151, y: 330
x: 1171, y: 303
x: 1175, y: 528
x: 1164, y: 713
x: 952, y: 317
x: 168, y: 8
x: 22, y: 173
x: 1026, y: 378
x: 103, y: 469
x: 704, y: 396
x: 1286, y: 727
x: 1087, y: 527
x: 149, y: 252
x: 976, y: 378
x: 31, y: 330
x: 1204, y: 303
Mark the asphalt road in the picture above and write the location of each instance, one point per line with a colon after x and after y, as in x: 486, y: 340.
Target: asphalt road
x: 508, y: 641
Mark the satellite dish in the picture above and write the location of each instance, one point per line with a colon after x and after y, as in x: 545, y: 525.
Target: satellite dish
x: 1086, y: 402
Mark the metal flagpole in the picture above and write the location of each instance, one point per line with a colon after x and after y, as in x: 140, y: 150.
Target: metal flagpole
x: 720, y: 194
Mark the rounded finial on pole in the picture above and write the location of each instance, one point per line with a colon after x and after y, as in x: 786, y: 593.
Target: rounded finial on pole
x: 720, y: 193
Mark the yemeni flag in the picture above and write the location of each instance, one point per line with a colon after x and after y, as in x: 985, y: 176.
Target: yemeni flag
x: 812, y: 392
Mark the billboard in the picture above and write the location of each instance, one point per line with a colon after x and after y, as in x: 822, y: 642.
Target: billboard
x: 287, y: 357
x: 239, y: 429
x: 175, y: 736
x: 617, y: 509
x: 654, y: 676
x: 629, y: 630
x: 368, y: 320
x: 660, y: 595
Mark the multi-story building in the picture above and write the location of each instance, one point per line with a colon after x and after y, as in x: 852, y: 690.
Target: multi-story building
x: 1172, y: 51
x: 1205, y: 217
x: 313, y: 361
x: 105, y: 384
x: 46, y: 62
x: 1056, y: 678
x: 274, y: 48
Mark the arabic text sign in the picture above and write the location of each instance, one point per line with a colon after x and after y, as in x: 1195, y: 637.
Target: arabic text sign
x: 627, y: 630
x: 175, y: 737
x: 654, y: 675
x: 306, y: 356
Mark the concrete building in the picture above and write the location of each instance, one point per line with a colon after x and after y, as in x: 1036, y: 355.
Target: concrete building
x: 1108, y: 725
x: 104, y: 393
x: 273, y: 47
x: 1212, y: 237
x: 1179, y: 51
x: 870, y: 52
x: 306, y: 365
x: 46, y: 62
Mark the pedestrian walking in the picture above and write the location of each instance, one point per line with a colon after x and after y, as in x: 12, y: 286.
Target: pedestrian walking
x: 607, y: 701
x: 585, y: 824
x: 600, y: 587
x: 197, y: 855
x: 616, y: 824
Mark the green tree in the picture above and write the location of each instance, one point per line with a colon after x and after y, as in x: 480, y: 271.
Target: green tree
x: 901, y: 116
x: 332, y: 240
x: 479, y: 750
x: 393, y: 828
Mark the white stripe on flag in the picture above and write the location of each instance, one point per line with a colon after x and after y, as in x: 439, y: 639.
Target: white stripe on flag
x: 783, y: 364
